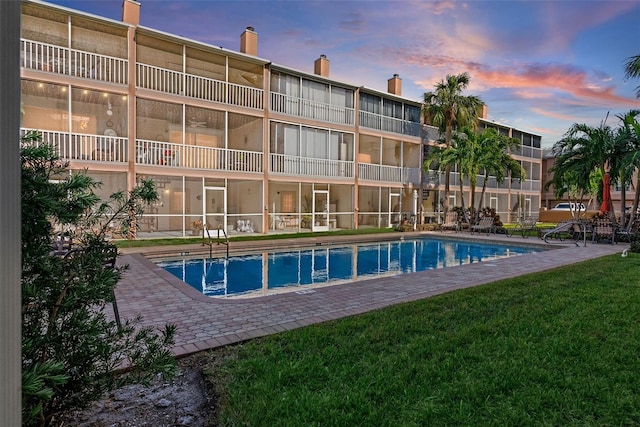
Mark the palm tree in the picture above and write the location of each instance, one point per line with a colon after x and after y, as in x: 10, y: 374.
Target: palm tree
x: 582, y: 152
x: 632, y: 70
x: 631, y: 131
x: 497, y: 161
x: 448, y: 109
x: 474, y: 152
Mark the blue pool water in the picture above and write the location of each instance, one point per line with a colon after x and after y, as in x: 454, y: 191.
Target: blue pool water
x: 269, y: 272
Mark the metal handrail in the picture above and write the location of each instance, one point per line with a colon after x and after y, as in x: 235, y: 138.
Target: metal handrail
x: 207, y: 234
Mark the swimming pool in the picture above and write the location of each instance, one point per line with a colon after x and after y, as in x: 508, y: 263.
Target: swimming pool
x: 300, y: 270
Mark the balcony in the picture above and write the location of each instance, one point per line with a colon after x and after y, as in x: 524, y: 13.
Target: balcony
x: 389, y: 124
x: 298, y: 107
x: 373, y: 172
x: 304, y: 166
x: 84, y: 147
x: 183, y: 84
x: 72, y: 62
x: 155, y: 153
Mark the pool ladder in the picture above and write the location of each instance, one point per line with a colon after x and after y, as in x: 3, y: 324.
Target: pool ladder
x: 210, y: 241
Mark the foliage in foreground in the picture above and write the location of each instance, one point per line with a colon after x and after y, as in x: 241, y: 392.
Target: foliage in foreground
x: 70, y: 348
x: 553, y: 348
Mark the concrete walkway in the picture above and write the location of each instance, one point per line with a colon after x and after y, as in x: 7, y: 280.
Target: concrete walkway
x: 204, y: 323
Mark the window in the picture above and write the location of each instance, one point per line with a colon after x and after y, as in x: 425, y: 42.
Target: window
x: 315, y: 91
x: 412, y: 113
x: 392, y: 109
x: 341, y: 97
x: 370, y: 103
x: 285, y: 84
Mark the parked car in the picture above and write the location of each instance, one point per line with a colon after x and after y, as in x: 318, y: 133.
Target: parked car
x: 566, y: 206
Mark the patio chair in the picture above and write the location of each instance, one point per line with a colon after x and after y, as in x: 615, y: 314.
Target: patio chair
x: 626, y: 234
x: 61, y: 244
x: 524, y: 227
x: 485, y: 224
x: 603, y: 229
x: 451, y: 222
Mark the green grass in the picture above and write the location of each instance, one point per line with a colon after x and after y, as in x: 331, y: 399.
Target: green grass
x: 555, y: 348
x: 196, y: 240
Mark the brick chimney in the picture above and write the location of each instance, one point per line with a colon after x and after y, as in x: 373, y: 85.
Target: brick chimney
x: 321, y: 66
x: 131, y: 12
x: 394, y: 85
x: 249, y: 42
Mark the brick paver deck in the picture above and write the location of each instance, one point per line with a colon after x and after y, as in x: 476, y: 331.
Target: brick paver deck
x: 204, y: 322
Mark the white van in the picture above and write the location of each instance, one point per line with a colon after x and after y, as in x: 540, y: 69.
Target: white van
x: 566, y: 206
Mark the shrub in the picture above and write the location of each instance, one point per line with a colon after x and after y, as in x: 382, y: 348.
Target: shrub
x: 71, y: 350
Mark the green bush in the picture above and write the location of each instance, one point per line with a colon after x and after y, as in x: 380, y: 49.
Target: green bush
x: 71, y: 350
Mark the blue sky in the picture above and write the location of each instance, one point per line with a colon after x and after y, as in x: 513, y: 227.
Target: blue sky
x: 539, y: 66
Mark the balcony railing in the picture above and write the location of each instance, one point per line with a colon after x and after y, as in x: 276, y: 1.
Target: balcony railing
x: 156, y: 153
x: 72, y: 62
x: 389, y: 124
x: 179, y: 83
x: 372, y: 172
x: 298, y: 107
x: 78, y: 146
x: 304, y: 166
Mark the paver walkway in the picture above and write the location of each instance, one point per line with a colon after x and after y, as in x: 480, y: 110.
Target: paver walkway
x: 203, y: 322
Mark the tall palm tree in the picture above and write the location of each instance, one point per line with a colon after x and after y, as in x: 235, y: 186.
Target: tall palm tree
x: 448, y: 109
x: 632, y: 70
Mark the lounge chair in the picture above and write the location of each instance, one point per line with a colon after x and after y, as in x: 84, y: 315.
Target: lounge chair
x: 451, y: 222
x: 485, y: 224
x: 524, y: 227
x: 603, y: 229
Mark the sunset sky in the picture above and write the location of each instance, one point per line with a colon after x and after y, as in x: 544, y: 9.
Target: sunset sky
x: 540, y: 66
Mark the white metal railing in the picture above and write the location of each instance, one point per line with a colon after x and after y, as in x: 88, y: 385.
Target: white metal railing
x: 72, y: 62
x: 373, y: 172
x: 245, y: 96
x: 179, y: 83
x: 294, y: 106
x: 203, y: 88
x: 156, y: 153
x: 305, y: 166
x: 159, y: 79
x: 78, y: 146
x: 389, y: 124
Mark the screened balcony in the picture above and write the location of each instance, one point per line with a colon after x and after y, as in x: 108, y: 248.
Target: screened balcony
x: 156, y: 153
x: 299, y: 107
x: 389, y: 124
x: 179, y: 83
x: 305, y: 166
x: 72, y: 62
x: 71, y: 146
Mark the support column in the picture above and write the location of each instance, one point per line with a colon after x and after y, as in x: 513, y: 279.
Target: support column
x: 10, y: 264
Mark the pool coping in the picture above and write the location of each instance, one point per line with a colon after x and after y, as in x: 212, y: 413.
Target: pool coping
x: 205, y: 322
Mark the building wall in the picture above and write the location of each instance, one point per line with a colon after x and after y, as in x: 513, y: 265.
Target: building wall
x: 229, y: 139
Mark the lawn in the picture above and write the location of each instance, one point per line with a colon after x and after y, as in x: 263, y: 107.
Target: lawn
x: 555, y: 348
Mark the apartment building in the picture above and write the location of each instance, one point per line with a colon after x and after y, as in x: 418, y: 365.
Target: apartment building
x: 230, y: 139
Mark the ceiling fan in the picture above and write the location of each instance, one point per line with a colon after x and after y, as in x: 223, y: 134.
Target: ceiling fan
x: 197, y: 124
